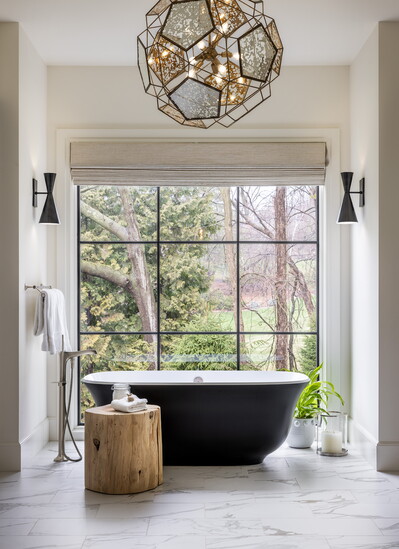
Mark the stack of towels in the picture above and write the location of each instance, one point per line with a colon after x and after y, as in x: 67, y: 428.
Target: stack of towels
x: 130, y: 403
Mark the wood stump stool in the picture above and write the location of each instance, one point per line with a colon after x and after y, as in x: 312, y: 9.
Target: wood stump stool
x: 123, y: 451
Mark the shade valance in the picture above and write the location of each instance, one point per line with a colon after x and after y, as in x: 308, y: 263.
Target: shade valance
x: 190, y: 163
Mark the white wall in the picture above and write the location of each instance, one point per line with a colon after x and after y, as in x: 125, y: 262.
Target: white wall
x: 113, y: 98
x: 23, y: 415
x: 9, y: 247
x: 33, y: 424
x: 365, y: 248
x: 388, y: 445
x: 375, y: 265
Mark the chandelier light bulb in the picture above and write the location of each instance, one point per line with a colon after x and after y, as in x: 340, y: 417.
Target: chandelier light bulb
x: 209, y: 61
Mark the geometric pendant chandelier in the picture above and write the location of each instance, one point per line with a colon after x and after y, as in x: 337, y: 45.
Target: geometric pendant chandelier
x: 208, y: 61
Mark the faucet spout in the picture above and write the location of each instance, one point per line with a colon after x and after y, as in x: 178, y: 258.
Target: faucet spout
x: 73, y: 354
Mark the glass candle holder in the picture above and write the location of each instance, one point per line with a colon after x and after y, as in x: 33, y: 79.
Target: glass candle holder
x: 120, y: 390
x: 332, y: 434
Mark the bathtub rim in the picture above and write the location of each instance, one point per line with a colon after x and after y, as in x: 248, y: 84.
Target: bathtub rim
x: 149, y: 377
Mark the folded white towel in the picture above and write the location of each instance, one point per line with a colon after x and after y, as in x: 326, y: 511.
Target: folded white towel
x: 50, y: 320
x: 125, y: 405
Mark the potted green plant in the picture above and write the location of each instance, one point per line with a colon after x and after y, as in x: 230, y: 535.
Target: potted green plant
x: 312, y: 401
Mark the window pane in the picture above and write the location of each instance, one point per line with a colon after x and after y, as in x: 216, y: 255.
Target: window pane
x: 278, y: 287
x: 278, y: 213
x: 199, y: 352
x: 198, y: 213
x: 118, y: 288
x: 116, y: 352
x: 118, y: 213
x: 198, y: 287
x: 277, y: 352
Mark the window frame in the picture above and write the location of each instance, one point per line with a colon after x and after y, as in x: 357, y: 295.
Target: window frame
x: 334, y: 314
x: 236, y: 242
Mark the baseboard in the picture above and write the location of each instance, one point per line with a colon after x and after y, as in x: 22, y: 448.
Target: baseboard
x: 10, y: 456
x: 363, y: 441
x: 35, y: 442
x: 388, y: 456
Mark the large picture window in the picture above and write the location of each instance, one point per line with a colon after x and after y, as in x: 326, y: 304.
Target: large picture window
x: 198, y: 278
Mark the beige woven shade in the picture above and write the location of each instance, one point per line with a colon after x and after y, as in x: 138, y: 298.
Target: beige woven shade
x: 188, y: 163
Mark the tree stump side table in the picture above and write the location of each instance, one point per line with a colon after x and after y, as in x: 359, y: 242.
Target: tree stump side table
x: 123, y: 451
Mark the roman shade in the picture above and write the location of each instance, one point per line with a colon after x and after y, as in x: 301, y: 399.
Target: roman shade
x: 197, y: 163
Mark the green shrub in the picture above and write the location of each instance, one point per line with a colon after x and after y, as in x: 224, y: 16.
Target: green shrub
x: 203, y: 352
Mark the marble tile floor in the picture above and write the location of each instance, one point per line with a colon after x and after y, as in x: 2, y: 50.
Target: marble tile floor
x: 295, y: 499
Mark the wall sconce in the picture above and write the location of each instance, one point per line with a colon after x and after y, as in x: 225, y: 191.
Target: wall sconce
x: 347, y: 213
x: 49, y: 214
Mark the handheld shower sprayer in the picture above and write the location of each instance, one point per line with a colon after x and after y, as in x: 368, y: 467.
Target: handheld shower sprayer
x: 63, y: 408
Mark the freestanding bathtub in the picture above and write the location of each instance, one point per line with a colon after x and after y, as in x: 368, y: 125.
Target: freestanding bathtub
x: 212, y: 417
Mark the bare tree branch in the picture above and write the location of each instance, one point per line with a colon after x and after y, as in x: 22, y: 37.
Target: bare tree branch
x: 102, y: 271
x: 106, y: 222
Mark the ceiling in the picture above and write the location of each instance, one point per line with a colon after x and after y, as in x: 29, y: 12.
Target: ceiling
x: 103, y: 32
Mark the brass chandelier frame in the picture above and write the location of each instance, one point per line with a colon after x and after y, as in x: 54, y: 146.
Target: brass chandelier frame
x: 209, y: 61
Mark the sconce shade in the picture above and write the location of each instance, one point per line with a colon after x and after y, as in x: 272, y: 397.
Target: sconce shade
x: 49, y: 214
x: 49, y: 179
x: 347, y: 213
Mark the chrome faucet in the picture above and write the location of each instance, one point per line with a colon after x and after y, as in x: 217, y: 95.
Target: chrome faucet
x: 63, y: 409
x: 73, y: 354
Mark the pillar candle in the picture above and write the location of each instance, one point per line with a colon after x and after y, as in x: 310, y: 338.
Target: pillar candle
x: 331, y: 442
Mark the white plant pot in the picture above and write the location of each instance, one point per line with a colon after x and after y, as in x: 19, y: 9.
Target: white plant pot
x: 302, y: 433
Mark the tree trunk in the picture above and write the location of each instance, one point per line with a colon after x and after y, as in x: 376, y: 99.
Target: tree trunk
x: 303, y: 289
x: 282, y: 324
x: 231, y: 258
x: 141, y: 282
x: 291, y: 355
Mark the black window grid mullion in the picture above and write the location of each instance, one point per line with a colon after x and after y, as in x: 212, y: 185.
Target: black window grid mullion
x: 158, y: 278
x: 243, y: 332
x: 78, y: 296
x: 236, y: 242
x: 238, y: 289
x: 205, y: 242
x: 317, y: 276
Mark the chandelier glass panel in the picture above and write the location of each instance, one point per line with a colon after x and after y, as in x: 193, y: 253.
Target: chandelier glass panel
x: 209, y: 61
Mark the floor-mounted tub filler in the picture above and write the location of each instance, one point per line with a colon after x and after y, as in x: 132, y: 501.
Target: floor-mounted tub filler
x: 212, y: 417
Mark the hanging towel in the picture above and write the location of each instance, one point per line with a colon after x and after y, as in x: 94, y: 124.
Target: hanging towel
x: 125, y: 405
x: 50, y: 320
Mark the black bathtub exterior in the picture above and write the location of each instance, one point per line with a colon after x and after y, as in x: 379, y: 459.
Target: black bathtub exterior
x: 215, y: 424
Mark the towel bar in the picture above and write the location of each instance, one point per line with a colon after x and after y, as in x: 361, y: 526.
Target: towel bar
x: 37, y: 287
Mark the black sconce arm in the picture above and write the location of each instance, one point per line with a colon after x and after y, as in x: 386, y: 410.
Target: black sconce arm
x: 360, y: 191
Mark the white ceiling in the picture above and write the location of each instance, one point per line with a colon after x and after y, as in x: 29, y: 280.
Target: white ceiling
x: 103, y: 32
